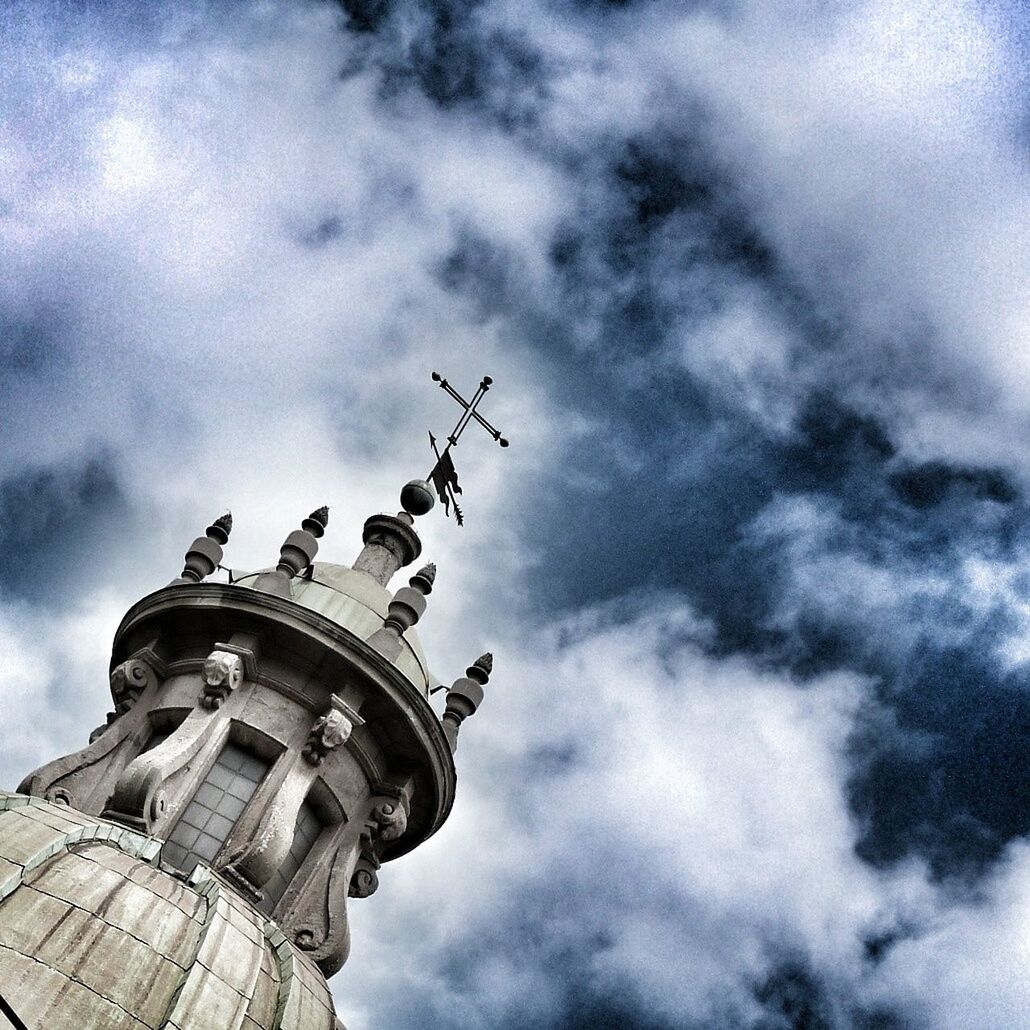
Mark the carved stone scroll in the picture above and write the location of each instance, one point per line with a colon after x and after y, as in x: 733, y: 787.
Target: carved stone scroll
x: 391, y: 818
x: 128, y: 681
x: 364, y: 881
x: 77, y: 778
x: 387, y: 821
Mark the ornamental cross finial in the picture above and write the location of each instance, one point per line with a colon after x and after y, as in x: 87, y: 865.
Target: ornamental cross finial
x: 444, y: 476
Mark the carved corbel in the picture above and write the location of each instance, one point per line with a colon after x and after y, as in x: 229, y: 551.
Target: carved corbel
x: 331, y: 730
x: 128, y: 682
x: 223, y: 673
x: 391, y: 817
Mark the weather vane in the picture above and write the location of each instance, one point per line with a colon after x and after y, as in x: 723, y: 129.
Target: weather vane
x: 444, y: 476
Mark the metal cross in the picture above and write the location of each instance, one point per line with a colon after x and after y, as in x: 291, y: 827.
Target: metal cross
x: 470, y: 410
x: 444, y: 476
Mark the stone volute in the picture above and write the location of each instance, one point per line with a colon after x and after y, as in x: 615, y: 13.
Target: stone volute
x: 272, y: 745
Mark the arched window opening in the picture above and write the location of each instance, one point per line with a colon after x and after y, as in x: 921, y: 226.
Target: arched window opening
x: 306, y: 832
x: 213, y: 810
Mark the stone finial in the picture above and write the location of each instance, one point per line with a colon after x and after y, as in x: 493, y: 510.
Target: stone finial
x: 221, y: 528
x: 296, y: 554
x: 407, y: 606
x: 316, y: 522
x: 465, y: 696
x: 424, y: 579
x: 205, y: 553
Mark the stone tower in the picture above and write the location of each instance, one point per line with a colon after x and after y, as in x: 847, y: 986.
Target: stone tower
x: 272, y: 744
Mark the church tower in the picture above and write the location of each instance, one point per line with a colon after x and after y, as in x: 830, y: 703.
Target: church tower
x: 273, y: 744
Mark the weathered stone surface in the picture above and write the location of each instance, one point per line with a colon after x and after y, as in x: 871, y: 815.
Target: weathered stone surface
x: 22, y: 838
x: 135, y: 879
x: 44, y: 997
x: 93, y: 937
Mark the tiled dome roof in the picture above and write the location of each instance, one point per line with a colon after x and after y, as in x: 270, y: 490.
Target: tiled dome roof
x: 94, y: 934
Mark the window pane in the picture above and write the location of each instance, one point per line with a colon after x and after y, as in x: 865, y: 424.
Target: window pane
x: 308, y: 827
x: 214, y: 808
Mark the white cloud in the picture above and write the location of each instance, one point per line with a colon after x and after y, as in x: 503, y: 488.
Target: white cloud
x: 160, y: 207
x: 967, y: 965
x: 701, y: 829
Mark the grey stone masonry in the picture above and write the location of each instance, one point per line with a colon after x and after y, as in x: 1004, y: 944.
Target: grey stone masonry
x: 273, y: 745
x: 208, y: 674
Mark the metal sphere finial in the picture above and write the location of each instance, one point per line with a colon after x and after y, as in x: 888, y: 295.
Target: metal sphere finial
x: 417, y: 497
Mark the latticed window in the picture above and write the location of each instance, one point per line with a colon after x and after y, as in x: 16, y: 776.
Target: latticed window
x: 204, y: 826
x: 306, y: 832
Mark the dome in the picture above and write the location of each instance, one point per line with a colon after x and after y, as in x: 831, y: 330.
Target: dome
x: 93, y: 934
x: 354, y: 600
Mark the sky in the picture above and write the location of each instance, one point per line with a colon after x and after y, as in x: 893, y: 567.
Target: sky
x: 751, y: 281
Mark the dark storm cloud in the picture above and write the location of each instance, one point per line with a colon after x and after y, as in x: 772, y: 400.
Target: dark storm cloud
x: 31, y: 345
x: 50, y: 518
x: 684, y: 519
x: 664, y: 243
x: 446, y: 51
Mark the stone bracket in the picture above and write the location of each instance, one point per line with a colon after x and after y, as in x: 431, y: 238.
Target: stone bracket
x: 331, y: 729
x: 223, y: 673
x: 246, y: 646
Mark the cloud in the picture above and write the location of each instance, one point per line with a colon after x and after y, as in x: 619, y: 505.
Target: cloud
x: 679, y: 842
x: 749, y: 280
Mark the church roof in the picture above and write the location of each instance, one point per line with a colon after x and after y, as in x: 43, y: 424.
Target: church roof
x: 356, y: 601
x: 94, y: 933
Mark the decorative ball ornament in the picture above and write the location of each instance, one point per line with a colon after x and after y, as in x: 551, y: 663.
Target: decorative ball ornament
x: 417, y: 497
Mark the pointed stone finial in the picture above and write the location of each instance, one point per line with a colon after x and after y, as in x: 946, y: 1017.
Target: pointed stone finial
x: 205, y: 553
x: 423, y: 579
x: 465, y: 696
x: 296, y: 554
x: 221, y: 528
x: 316, y: 522
x: 407, y: 606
